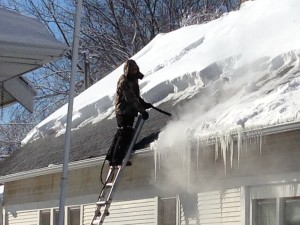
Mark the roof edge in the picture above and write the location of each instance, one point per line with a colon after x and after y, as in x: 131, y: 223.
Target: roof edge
x: 58, y: 46
x: 277, y: 128
x: 253, y: 132
x: 146, y: 152
x: 85, y: 163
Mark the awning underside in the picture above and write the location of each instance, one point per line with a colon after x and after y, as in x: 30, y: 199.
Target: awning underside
x: 25, y: 45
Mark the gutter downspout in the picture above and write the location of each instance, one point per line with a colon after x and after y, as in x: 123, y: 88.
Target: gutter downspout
x: 70, y: 112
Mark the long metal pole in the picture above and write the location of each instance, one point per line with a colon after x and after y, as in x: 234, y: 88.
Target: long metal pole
x: 70, y: 112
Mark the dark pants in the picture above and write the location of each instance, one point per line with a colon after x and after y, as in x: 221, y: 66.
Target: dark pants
x: 121, y: 141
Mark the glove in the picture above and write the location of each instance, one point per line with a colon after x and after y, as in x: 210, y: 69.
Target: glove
x: 147, y: 105
x: 145, y: 115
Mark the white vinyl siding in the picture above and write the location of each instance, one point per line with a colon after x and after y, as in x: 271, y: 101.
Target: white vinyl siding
x: 217, y: 208
x: 22, y: 217
x: 126, y: 212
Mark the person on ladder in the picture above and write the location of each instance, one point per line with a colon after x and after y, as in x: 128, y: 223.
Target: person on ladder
x: 127, y: 105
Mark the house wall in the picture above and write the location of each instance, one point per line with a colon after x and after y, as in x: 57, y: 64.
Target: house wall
x: 142, y: 211
x: 209, y: 195
x: 259, y: 164
x: 81, y: 182
x: 259, y: 155
x: 266, y: 167
x: 24, y: 198
x: 217, y: 207
x: 212, y: 207
x: 28, y: 217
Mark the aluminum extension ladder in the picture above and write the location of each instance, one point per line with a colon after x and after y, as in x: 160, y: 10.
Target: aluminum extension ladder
x: 113, y: 178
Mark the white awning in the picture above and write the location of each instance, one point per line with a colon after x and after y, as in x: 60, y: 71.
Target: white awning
x: 25, y: 45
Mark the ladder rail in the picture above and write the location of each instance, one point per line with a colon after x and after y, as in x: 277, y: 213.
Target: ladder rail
x: 140, y: 123
x: 110, y: 176
x: 115, y: 179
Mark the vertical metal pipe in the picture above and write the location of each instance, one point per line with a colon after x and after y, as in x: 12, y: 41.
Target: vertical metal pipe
x: 70, y: 112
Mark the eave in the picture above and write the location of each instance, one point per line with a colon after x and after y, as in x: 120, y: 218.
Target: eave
x: 143, y: 153
x: 51, y: 169
x: 253, y: 132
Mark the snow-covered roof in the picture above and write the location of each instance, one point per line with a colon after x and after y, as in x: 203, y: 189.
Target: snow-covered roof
x: 249, y: 56
x: 235, y: 74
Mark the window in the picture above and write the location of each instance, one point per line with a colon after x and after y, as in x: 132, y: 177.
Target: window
x: 45, y: 217
x: 292, y: 211
x: 50, y: 216
x: 265, y: 212
x: 74, y: 216
x: 55, y: 216
x: 168, y: 215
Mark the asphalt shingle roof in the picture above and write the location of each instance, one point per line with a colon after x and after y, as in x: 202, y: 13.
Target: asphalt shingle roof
x: 90, y: 141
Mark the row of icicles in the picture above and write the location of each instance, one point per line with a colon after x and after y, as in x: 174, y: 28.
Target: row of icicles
x: 223, y: 143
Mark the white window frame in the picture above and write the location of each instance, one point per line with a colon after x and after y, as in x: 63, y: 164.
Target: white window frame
x: 66, y: 217
x: 69, y: 208
x: 40, y: 212
x: 255, y: 206
x: 177, y: 208
x: 280, y: 192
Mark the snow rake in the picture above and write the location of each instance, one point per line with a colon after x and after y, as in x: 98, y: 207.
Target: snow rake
x: 161, y: 111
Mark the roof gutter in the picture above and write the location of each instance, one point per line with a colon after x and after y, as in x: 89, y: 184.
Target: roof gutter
x: 277, y: 128
x: 254, y: 132
x: 72, y: 166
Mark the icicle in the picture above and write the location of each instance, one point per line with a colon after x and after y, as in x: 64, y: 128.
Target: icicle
x: 198, y: 147
x: 223, y: 150
x: 160, y: 159
x: 225, y: 160
x: 239, y: 143
x: 231, y: 151
x: 154, y: 147
x: 216, y: 149
x: 155, y: 164
x: 256, y: 136
x: 260, y: 143
x: 188, y: 165
x: 183, y: 157
x: 246, y: 146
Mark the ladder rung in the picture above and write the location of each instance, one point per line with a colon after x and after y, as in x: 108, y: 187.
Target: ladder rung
x: 103, y: 203
x: 115, y: 167
x: 96, y: 222
x: 109, y: 185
